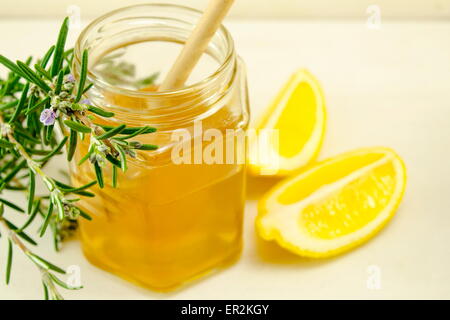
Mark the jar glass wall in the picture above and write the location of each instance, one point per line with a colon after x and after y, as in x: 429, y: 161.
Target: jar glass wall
x: 167, y: 221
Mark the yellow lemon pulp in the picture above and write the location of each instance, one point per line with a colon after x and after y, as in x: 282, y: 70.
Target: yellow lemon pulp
x: 296, y: 118
x: 334, y: 205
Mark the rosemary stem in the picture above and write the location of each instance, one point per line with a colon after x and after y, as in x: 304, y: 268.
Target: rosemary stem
x: 44, y: 273
x: 9, y: 133
x: 97, y: 130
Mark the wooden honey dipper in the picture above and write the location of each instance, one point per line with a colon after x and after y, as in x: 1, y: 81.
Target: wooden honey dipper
x: 196, y: 44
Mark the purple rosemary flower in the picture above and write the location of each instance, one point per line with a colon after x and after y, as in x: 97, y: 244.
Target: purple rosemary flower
x: 47, y: 117
x: 70, y: 78
x: 86, y: 101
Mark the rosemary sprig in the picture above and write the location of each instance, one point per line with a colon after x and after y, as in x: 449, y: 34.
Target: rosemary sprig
x: 122, y: 73
x: 46, y: 268
x: 32, y: 103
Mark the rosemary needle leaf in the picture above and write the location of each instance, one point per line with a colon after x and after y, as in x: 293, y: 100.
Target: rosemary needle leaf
x: 45, y: 290
x: 147, y: 147
x: 86, y: 156
x: 8, y: 105
x: 11, y: 66
x: 84, y: 187
x: 14, y: 188
x: 36, y: 152
x: 129, y: 130
x: 8, y: 165
x: 6, y: 144
x: 67, y: 53
x: 44, y: 263
x: 14, y: 171
x: 80, y: 190
x: 114, y: 176
x: 72, y: 145
x: 147, y: 81
x: 59, y: 48
x: 54, y: 151
x: 31, y: 190
x: 89, y: 86
x: 42, y: 72
x: 83, y: 74
x: 62, y: 185
x: 47, y: 56
x: 101, y: 112
x: 48, y: 133
x: 60, y: 207
x: 99, y: 175
x: 32, y: 124
x: 123, y: 157
x: 37, y: 105
x: 28, y: 61
x: 21, y: 234
x: 21, y: 104
x: 32, y: 77
x: 112, y: 132
x: 25, y: 135
x: 84, y: 193
x: 59, y: 81
x: 143, y: 130
x: 33, y: 214
x: 62, y: 284
x: 11, y: 205
x: 77, y: 126
x: 56, y: 240
x: 47, y: 219
x: 9, y: 261
x: 85, y: 215
x: 113, y: 160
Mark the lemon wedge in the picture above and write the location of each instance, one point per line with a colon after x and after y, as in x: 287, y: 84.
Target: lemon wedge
x: 289, y: 134
x: 335, y: 205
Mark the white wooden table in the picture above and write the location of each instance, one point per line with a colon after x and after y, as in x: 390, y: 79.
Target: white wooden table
x: 383, y: 87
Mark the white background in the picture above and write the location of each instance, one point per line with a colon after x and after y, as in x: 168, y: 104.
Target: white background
x: 386, y: 87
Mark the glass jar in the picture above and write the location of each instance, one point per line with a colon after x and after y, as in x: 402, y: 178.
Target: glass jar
x: 168, y: 221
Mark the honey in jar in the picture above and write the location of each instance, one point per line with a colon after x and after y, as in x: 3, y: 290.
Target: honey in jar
x: 167, y: 222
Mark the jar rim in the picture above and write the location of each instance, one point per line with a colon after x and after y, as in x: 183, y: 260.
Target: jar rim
x: 156, y: 94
